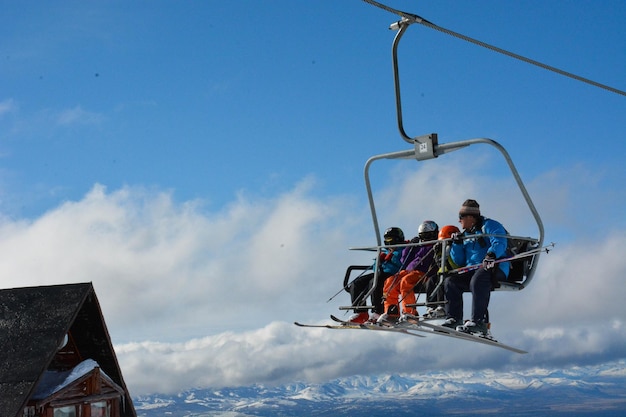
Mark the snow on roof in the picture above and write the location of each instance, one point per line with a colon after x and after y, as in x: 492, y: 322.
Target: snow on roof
x: 54, y: 381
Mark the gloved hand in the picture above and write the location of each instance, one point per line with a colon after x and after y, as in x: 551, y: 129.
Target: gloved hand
x: 490, y: 261
x: 416, y: 239
x: 457, y: 237
x: 388, y: 256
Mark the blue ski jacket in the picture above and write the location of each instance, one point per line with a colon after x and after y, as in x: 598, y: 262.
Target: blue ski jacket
x: 473, y: 250
x: 392, y: 265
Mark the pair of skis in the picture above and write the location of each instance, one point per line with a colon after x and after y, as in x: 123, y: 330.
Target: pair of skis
x: 415, y: 327
x: 362, y: 326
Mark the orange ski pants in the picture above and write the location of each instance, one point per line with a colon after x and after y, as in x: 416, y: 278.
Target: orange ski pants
x: 398, y: 290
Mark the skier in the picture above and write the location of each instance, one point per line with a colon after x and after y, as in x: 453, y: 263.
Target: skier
x: 471, y: 248
x: 390, y: 262
x: 400, y: 289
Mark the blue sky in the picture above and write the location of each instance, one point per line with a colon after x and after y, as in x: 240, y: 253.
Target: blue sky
x: 202, y: 164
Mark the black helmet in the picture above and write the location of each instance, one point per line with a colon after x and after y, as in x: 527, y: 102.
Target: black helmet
x: 428, y: 230
x: 394, y: 236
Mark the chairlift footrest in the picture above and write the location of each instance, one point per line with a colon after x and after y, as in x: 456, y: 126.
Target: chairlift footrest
x: 428, y: 304
x: 362, y: 308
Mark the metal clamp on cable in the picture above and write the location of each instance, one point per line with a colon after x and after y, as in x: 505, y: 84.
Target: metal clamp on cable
x: 425, y: 147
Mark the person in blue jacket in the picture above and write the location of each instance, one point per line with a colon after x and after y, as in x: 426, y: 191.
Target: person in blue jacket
x: 476, y: 245
x: 389, y: 263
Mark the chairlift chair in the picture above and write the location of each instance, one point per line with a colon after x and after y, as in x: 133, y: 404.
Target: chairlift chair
x: 427, y: 147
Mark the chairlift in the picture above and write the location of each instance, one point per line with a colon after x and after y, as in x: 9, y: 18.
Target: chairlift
x: 526, y: 250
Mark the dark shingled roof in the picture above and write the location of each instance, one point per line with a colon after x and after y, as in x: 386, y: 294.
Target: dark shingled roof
x: 33, y: 324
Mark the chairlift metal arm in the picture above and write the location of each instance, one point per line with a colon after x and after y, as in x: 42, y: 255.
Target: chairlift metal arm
x: 402, y: 26
x: 394, y: 155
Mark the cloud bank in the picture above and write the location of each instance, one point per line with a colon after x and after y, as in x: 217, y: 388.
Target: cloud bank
x: 201, y: 298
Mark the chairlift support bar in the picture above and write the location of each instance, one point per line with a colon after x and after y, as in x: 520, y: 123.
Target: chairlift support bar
x: 401, y: 26
x: 428, y: 147
x: 440, y: 149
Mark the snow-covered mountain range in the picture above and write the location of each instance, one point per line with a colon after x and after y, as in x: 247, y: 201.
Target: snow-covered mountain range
x: 597, y: 391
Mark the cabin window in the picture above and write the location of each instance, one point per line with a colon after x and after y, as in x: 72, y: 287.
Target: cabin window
x: 100, y: 409
x: 29, y: 412
x: 68, y: 411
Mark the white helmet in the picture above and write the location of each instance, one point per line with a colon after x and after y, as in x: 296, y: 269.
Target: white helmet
x: 428, y: 230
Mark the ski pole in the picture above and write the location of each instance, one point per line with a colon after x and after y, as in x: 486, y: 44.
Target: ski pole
x: 531, y: 252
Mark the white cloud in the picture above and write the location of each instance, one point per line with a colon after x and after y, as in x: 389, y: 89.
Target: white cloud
x: 199, y: 298
x: 175, y: 270
x: 78, y: 115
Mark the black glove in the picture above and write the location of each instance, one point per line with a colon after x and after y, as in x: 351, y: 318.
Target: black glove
x: 490, y: 261
x: 416, y: 239
x: 457, y: 237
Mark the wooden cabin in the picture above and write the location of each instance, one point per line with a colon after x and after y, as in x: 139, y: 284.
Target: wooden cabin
x: 57, y: 359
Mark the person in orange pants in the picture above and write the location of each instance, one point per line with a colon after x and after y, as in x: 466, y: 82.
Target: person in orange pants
x: 407, y: 289
x: 419, y: 261
x: 400, y: 290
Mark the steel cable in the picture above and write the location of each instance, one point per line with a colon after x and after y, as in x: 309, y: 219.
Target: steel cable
x: 417, y: 19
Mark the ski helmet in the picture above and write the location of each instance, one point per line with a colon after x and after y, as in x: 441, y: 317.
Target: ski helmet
x: 394, y: 236
x: 447, y: 231
x: 428, y: 230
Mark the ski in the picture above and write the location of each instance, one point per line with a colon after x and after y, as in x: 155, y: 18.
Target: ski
x: 421, y: 324
x: 344, y: 325
x: 374, y: 326
x: 345, y: 322
x: 446, y: 331
x: 326, y: 326
x: 359, y: 327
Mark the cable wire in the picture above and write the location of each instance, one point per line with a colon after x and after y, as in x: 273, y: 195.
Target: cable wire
x: 417, y: 19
